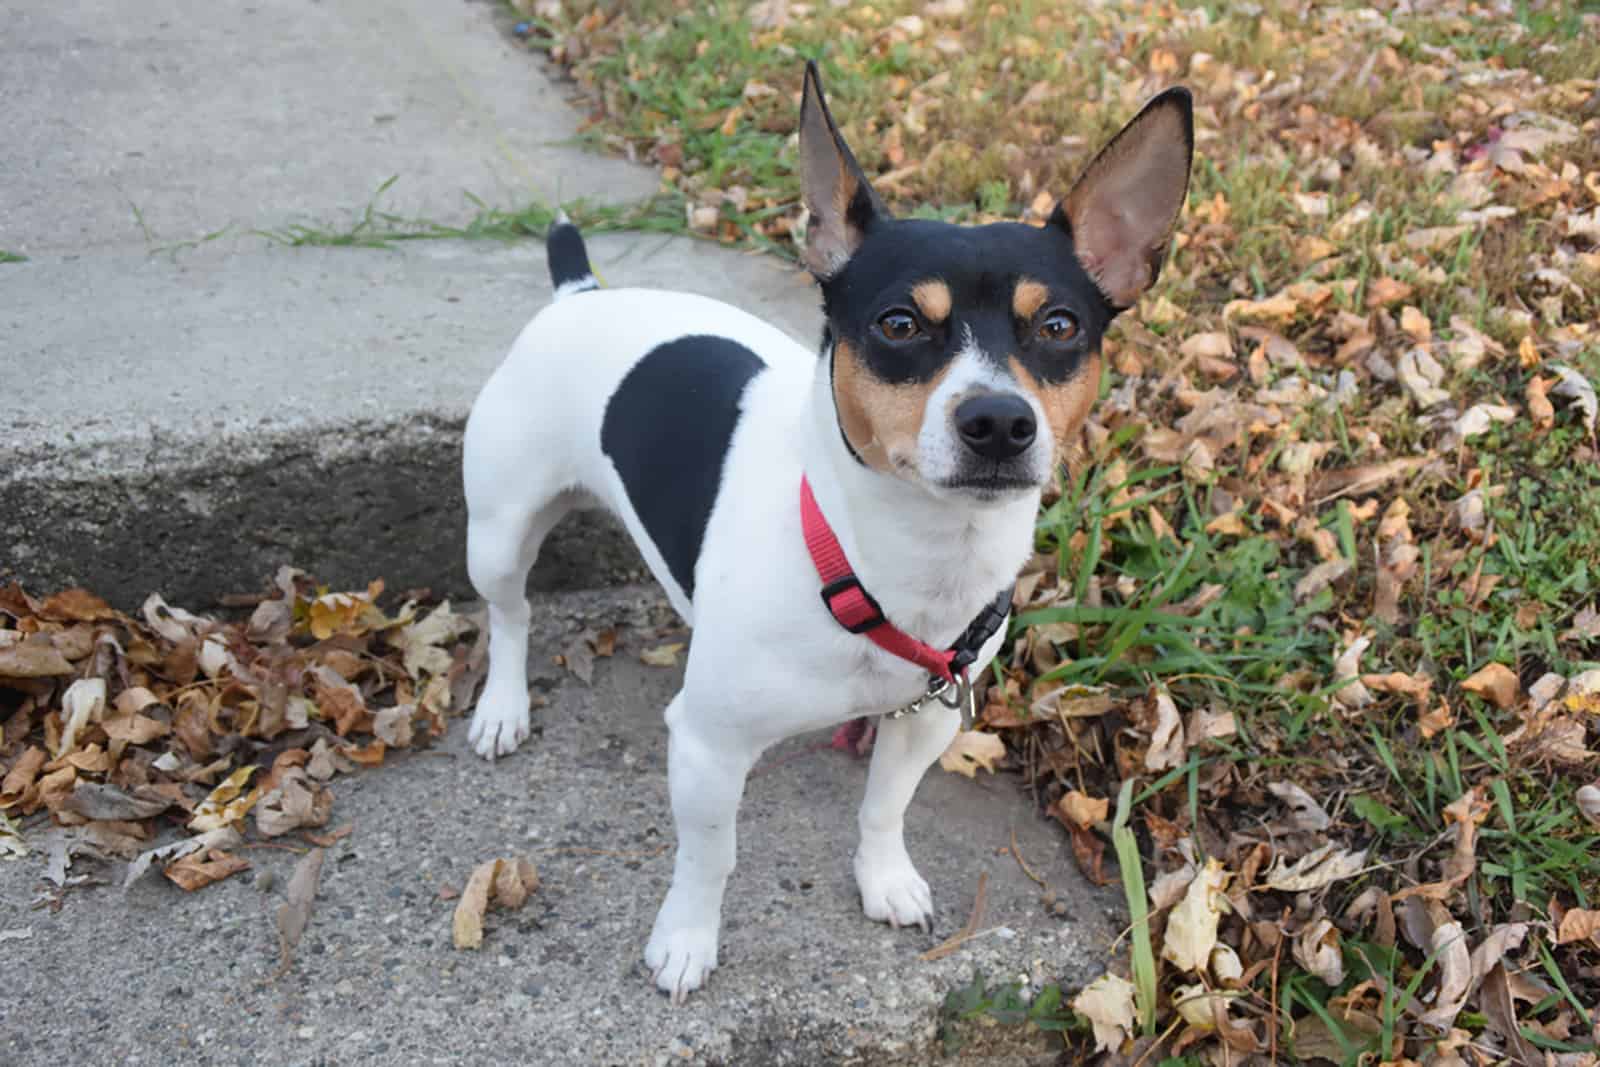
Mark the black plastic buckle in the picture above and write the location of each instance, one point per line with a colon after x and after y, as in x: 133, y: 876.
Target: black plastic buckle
x: 844, y: 585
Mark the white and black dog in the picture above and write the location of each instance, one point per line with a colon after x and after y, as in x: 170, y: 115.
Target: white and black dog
x: 898, y: 476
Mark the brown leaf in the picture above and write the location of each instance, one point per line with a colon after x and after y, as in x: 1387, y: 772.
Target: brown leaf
x: 1540, y: 410
x: 1385, y: 291
x: 1089, y: 851
x: 1496, y: 683
x: 1080, y: 809
x: 662, y: 655
x: 466, y: 928
x: 134, y: 729
x: 1501, y: 1012
x: 972, y: 749
x: 33, y: 657
x: 295, y: 802
x: 1454, y: 961
x: 513, y: 882
x: 21, y: 776
x: 98, y: 800
x: 198, y: 870
x: 1579, y: 924
x: 295, y: 913
x: 75, y: 605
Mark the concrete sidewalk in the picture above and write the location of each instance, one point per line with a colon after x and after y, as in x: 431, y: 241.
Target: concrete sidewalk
x: 185, y: 421
x: 155, y: 976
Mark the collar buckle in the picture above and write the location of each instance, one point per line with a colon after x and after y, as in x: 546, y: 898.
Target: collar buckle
x: 851, y: 605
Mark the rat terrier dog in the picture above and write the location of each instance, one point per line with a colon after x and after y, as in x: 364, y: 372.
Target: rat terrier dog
x: 907, y: 460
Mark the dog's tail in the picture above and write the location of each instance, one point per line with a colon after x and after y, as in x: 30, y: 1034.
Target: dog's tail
x: 569, y: 260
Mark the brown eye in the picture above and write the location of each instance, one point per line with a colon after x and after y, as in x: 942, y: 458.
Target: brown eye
x: 899, y: 325
x: 1058, y: 326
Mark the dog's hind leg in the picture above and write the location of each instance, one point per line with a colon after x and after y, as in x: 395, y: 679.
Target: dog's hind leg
x: 891, y: 889
x: 501, y: 549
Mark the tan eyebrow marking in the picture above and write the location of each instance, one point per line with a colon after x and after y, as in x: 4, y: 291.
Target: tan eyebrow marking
x: 933, y: 299
x: 1028, y: 298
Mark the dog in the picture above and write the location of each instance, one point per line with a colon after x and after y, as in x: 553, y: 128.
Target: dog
x: 898, y: 475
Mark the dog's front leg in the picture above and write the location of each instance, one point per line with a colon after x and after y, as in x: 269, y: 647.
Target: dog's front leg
x: 706, y: 770
x: 891, y: 889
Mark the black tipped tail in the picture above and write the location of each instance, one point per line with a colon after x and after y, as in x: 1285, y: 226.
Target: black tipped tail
x: 569, y: 260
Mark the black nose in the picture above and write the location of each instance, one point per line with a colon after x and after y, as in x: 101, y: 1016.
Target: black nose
x: 996, y: 425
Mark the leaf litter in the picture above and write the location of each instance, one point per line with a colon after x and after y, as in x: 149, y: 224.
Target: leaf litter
x: 126, y: 729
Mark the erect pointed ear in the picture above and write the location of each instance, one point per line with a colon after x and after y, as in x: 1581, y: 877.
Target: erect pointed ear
x: 1123, y: 207
x: 841, y: 202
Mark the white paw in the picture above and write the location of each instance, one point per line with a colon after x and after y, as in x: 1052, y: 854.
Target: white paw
x: 500, y: 722
x: 893, y: 892
x: 681, y: 960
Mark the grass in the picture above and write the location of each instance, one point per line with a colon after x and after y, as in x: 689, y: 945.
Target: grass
x: 1342, y: 153
x: 12, y: 257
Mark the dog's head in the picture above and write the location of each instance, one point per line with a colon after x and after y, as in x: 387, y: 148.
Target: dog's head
x: 962, y: 357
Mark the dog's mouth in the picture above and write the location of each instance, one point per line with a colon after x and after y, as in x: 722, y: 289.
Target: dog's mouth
x: 992, y: 485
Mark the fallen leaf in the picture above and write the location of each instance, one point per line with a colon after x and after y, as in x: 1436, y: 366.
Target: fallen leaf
x: 1318, y: 868
x: 33, y: 657
x: 296, y: 801
x: 101, y: 800
x: 1080, y: 809
x: 662, y: 655
x: 221, y: 839
x: 466, y: 928
x: 295, y: 912
x: 1317, y: 949
x: 1192, y: 925
x: 1576, y: 386
x: 1166, y: 738
x: 972, y: 749
x: 1107, y: 1002
x: 227, y: 803
x: 199, y: 869
x: 1385, y: 291
x: 1305, y: 812
x: 421, y: 643
x: 1350, y: 693
x: 1540, y: 411
x: 513, y: 882
x: 1589, y: 803
x: 83, y: 703
x: 1579, y: 924
x: 1496, y: 683
x: 1454, y: 965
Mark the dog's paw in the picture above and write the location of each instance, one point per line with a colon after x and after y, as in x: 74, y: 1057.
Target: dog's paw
x: 893, y: 892
x: 499, y: 724
x: 681, y: 960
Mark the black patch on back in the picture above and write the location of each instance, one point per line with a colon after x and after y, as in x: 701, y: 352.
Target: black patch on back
x: 667, y: 429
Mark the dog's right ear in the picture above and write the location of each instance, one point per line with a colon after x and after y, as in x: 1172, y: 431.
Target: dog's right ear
x: 841, y: 201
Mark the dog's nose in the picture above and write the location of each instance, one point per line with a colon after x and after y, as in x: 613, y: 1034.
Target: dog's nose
x: 996, y: 425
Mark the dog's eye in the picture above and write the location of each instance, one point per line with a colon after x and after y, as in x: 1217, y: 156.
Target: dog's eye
x: 1058, y: 326
x: 898, y: 325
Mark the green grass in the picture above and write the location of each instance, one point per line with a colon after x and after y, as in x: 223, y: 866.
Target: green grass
x: 12, y: 257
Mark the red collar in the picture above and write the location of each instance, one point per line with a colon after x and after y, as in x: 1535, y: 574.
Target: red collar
x: 855, y: 609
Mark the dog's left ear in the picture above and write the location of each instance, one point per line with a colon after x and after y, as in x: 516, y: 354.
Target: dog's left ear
x: 841, y: 201
x: 1122, y: 209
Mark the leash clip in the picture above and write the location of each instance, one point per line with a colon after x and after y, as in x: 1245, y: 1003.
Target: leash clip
x: 959, y: 695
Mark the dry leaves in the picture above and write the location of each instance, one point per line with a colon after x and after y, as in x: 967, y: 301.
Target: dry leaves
x: 506, y: 883
x: 117, y: 725
x: 971, y: 750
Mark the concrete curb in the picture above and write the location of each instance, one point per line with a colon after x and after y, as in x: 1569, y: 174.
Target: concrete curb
x: 218, y: 414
